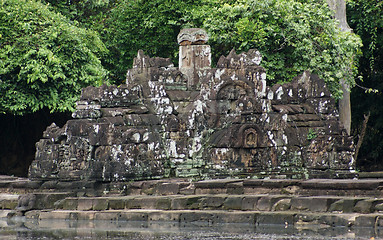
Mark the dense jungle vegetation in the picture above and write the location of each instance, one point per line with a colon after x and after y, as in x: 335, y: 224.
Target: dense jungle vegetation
x: 50, y: 49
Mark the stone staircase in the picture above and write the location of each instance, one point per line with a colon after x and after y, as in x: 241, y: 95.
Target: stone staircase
x: 257, y: 209
x: 301, y: 204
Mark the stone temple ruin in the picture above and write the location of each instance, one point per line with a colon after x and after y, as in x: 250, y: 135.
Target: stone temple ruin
x: 198, y: 121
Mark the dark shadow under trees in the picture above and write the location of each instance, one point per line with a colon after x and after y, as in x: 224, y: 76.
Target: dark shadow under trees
x: 18, y: 135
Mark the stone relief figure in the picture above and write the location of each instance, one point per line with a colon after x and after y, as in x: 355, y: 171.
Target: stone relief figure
x: 198, y: 121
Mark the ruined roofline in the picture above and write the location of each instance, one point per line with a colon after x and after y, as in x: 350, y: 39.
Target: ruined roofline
x: 198, y: 122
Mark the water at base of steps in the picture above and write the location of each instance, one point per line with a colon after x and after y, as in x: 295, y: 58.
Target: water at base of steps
x: 26, y: 229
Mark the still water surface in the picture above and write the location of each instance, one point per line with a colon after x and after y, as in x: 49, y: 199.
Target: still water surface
x: 22, y: 229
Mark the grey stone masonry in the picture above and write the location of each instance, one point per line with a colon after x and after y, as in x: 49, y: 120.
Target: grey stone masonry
x: 197, y: 121
x: 347, y: 203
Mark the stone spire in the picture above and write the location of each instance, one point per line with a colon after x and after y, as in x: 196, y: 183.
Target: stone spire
x: 193, y: 54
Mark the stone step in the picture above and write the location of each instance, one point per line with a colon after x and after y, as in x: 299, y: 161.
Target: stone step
x: 8, y: 201
x: 250, y: 208
x: 312, y: 187
x: 211, y: 217
x: 36, y: 200
x: 228, y: 202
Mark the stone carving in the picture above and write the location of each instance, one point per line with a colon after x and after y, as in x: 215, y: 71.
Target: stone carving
x: 198, y: 121
x: 192, y: 36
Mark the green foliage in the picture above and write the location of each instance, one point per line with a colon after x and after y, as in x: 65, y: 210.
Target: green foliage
x: 149, y: 25
x: 312, y: 134
x: 292, y: 36
x: 45, y: 52
x: 45, y: 60
x: 365, y: 17
x: 89, y: 13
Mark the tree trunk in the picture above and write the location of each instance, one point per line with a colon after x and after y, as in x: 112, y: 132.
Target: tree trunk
x: 339, y: 8
x: 362, y: 134
x: 345, y: 108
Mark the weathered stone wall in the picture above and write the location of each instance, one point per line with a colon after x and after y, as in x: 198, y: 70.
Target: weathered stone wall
x: 198, y: 121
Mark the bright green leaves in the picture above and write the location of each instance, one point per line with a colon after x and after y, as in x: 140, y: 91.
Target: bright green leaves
x: 45, y: 60
x: 250, y: 33
x: 149, y: 25
x: 292, y: 35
